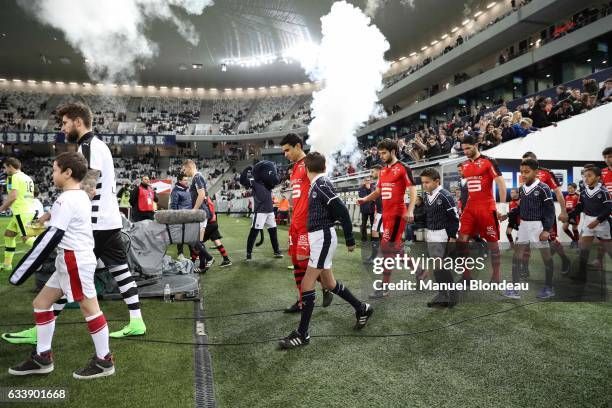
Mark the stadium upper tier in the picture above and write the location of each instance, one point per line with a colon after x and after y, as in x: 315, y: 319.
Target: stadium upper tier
x: 33, y: 111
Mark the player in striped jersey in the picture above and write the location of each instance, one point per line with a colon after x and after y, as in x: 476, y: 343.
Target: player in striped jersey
x: 442, y: 224
x: 100, y: 185
x: 596, y: 204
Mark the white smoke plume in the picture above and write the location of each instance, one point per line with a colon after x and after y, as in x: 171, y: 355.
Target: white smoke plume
x: 372, y: 6
x: 350, y: 63
x: 110, y: 34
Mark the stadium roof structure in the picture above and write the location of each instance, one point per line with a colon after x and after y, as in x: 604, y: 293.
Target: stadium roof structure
x: 230, y: 30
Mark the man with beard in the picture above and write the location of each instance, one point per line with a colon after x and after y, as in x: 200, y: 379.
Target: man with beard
x: 395, y: 178
x: 479, y: 217
x: 100, y: 185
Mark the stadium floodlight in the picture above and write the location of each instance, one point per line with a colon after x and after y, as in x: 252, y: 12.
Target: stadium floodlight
x: 589, y: 60
x: 175, y: 88
x: 262, y: 88
x: 228, y: 89
x: 491, y: 4
x: 284, y: 86
x: 444, y: 37
x: 434, y: 42
x: 547, y: 75
x: 59, y: 82
x: 273, y: 87
x: 72, y: 83
x: 17, y: 80
x: 43, y: 82
x: 454, y: 29
x: 163, y: 87
x: 466, y: 21
x: 402, y: 58
x: 477, y: 14
x: 413, y: 53
x: 250, y: 89
x: 188, y: 89
x: 423, y: 48
x: 31, y: 81
x: 294, y: 85
x: 151, y: 86
x: 2, y: 79
x: 238, y: 89
x: 213, y: 89
x: 604, y: 61
x: 86, y: 84
x: 306, y: 83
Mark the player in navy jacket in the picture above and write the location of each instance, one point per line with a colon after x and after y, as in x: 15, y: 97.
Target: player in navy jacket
x: 596, y: 204
x: 536, y: 209
x: 324, y: 208
x: 442, y: 224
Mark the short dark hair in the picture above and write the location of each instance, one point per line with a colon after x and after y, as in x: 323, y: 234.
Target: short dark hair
x: 376, y: 166
x: 388, y: 144
x: 36, y: 191
x: 315, y: 162
x: 73, y: 161
x: 469, y: 139
x: 588, y: 166
x: 181, y: 176
x: 561, y: 87
x: 531, y: 163
x: 76, y: 110
x: 292, y: 140
x: 572, y: 185
x: 608, y: 80
x: 431, y: 173
x: 607, y: 151
x: 13, y: 162
x: 530, y: 155
x: 594, y: 169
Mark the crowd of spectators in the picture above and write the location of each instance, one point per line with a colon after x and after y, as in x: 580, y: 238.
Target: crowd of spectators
x: 168, y: 115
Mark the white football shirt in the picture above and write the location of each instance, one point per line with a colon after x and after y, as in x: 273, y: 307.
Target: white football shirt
x: 105, y: 213
x: 71, y: 213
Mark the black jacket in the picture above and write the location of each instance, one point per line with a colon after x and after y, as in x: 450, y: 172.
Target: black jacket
x: 366, y: 208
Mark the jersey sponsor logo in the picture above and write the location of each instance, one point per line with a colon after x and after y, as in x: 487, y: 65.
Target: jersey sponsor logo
x: 386, y: 193
x: 296, y: 192
x: 474, y: 185
x: 491, y: 231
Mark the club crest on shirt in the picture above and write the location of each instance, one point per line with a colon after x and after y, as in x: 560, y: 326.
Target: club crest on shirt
x: 536, y: 193
x: 314, y: 194
x: 439, y: 202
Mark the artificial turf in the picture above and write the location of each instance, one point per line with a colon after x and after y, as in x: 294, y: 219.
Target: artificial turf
x: 543, y: 354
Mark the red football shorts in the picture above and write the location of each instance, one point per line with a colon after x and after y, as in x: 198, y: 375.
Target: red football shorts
x: 480, y: 222
x: 298, y: 243
x: 393, y: 231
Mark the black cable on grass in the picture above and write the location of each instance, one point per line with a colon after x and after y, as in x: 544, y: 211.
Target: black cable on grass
x: 405, y: 334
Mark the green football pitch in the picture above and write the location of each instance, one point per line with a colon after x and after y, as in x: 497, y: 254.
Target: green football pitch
x: 484, y: 353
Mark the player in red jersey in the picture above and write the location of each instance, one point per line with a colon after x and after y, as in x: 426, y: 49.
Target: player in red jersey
x: 480, y: 217
x: 606, y: 173
x: 513, y: 220
x: 571, y: 201
x: 547, y: 177
x: 299, y: 248
x: 393, y: 181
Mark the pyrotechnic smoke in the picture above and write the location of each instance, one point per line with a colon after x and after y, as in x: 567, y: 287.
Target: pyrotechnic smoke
x: 350, y: 63
x: 110, y: 34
